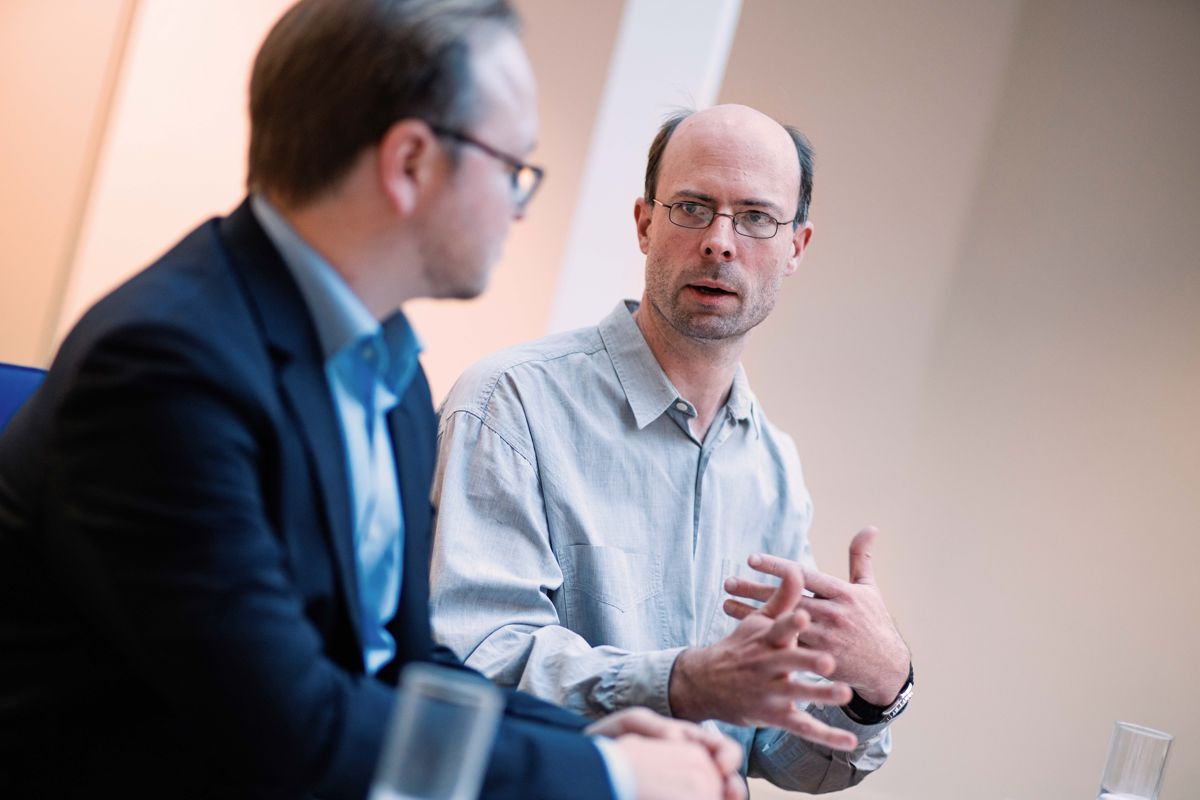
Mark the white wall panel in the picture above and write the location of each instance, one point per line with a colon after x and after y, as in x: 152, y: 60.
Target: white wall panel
x: 668, y: 54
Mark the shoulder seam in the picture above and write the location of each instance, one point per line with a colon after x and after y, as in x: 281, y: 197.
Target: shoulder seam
x: 486, y: 424
x: 493, y: 381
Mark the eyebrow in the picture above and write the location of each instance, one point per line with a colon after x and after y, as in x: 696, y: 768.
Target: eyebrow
x: 746, y: 201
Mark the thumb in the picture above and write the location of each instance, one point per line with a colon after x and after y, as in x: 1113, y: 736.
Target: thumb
x: 860, y: 556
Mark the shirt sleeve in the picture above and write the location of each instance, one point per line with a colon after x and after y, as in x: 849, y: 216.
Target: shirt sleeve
x: 799, y: 765
x: 495, y: 578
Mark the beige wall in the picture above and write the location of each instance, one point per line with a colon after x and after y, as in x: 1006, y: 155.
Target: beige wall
x: 571, y: 70
x: 59, y: 71
x: 992, y: 350
x: 174, y: 148
x: 170, y: 149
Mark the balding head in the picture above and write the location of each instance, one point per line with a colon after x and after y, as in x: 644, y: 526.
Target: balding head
x: 723, y: 187
x: 735, y: 123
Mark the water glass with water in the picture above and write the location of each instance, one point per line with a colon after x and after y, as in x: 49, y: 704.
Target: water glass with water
x: 1137, y: 762
x: 440, y: 737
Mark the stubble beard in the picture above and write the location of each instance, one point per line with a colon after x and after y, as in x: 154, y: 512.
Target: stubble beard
x: 701, y: 325
x: 453, y: 274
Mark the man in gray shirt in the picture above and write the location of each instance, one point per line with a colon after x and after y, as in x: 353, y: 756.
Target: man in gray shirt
x: 596, y: 488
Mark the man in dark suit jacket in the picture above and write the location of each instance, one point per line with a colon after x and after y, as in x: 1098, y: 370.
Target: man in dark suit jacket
x: 187, y: 605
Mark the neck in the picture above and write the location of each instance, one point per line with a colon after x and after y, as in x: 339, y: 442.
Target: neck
x: 350, y: 230
x: 701, y: 369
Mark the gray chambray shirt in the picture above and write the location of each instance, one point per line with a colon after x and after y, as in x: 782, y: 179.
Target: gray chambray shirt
x: 584, y: 533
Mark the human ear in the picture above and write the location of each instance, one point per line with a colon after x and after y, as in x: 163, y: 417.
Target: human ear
x: 408, y: 163
x: 641, y: 217
x: 800, y: 239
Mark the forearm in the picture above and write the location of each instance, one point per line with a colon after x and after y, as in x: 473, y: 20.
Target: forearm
x: 529, y: 759
x: 558, y: 665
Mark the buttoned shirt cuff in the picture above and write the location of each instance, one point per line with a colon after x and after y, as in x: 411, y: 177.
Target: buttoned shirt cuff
x: 779, y: 749
x: 620, y: 771
x: 641, y: 679
x: 836, y: 716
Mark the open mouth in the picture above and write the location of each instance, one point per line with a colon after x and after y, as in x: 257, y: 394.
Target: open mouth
x: 711, y: 290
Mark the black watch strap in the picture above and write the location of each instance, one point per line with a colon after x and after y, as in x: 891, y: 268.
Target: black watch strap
x: 865, y: 713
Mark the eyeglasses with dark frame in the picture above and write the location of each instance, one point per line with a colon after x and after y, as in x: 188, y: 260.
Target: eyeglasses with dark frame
x: 751, y: 223
x: 525, y: 177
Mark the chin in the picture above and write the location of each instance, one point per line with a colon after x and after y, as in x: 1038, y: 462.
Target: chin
x: 710, y: 326
x: 466, y: 291
x: 464, y: 294
x: 461, y: 287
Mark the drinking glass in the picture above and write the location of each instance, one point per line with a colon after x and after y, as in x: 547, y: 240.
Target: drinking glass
x: 440, y: 736
x: 1137, y: 762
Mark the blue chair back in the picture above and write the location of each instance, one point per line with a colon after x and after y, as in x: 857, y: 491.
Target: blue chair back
x: 16, y: 384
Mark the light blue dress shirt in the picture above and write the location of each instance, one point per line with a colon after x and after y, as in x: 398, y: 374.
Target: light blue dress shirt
x: 368, y: 367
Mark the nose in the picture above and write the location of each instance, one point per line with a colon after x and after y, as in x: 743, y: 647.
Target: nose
x: 720, y: 240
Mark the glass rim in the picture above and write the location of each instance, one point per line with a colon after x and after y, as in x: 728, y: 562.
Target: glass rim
x: 1142, y: 729
x: 448, y: 685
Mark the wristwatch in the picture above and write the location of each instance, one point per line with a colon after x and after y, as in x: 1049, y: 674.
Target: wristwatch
x: 865, y: 713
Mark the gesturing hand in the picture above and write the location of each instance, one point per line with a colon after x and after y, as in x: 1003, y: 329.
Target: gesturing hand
x: 749, y: 677
x: 848, y: 619
x: 674, y: 758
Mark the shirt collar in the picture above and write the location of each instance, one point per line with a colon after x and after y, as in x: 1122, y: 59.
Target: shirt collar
x: 341, y: 319
x: 742, y: 404
x: 648, y: 390
x: 403, y: 346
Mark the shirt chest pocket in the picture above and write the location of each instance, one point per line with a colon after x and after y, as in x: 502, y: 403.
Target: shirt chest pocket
x: 612, y: 596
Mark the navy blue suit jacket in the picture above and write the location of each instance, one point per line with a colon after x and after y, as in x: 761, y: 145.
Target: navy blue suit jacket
x: 177, y: 571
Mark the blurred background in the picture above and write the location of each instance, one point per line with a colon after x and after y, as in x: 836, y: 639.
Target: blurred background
x: 991, y: 351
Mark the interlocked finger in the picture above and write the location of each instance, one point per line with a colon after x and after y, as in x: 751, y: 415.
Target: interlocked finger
x: 751, y: 590
x: 725, y: 751
x: 787, y: 594
x: 784, y: 630
x: 797, y: 687
x: 737, y: 609
x: 636, y: 721
x: 804, y: 725
x: 802, y: 659
x: 735, y: 786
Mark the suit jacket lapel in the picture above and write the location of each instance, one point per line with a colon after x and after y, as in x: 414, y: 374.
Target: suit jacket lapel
x: 413, y: 429
x: 301, y: 374
x: 307, y: 393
